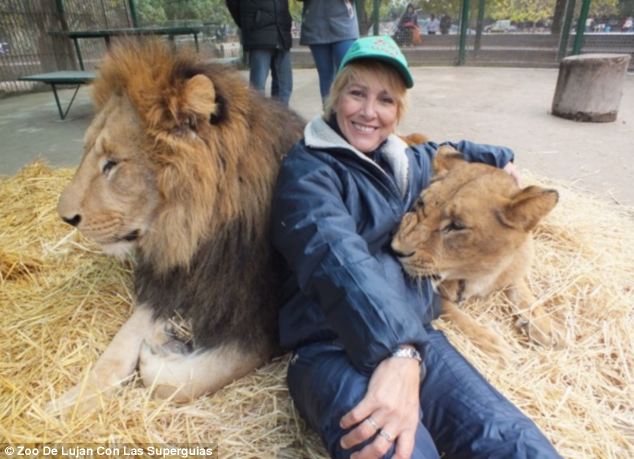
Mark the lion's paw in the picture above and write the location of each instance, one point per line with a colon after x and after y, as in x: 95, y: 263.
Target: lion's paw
x: 541, y: 330
x: 493, y: 345
x: 82, y: 398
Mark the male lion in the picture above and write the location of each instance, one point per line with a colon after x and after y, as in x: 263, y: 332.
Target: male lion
x: 470, y: 230
x: 179, y: 165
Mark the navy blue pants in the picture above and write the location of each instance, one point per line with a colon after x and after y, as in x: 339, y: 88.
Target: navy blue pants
x: 462, y: 415
x: 328, y: 57
x: 278, y: 62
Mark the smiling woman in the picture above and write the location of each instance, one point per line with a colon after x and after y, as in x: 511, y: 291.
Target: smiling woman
x: 366, y: 360
x: 367, y: 101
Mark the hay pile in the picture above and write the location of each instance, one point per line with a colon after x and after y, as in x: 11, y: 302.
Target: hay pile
x: 61, y: 301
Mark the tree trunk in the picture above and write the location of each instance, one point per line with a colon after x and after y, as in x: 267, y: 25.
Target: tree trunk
x: 558, y: 17
x: 56, y: 52
x: 363, y: 18
x: 590, y: 86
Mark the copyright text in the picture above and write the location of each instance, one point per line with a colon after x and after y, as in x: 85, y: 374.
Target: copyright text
x: 94, y: 451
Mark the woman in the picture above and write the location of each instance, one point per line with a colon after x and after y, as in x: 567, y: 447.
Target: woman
x: 265, y: 32
x: 329, y: 27
x: 368, y: 372
x: 406, y: 26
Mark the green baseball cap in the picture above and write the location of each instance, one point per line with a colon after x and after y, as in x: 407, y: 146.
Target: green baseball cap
x: 382, y: 48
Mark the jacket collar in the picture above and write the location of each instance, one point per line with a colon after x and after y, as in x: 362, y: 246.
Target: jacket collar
x: 319, y: 135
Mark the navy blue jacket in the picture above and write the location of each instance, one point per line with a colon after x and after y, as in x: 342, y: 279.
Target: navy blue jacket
x: 334, y: 213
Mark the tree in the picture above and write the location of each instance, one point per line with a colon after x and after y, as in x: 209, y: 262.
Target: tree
x: 626, y: 8
x: 208, y: 11
x: 151, y: 12
x: 604, y: 8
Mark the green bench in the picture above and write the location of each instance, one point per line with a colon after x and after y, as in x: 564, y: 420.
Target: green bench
x: 64, y: 77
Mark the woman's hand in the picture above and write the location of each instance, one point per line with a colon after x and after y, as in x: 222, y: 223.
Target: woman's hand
x: 512, y: 170
x: 390, y: 407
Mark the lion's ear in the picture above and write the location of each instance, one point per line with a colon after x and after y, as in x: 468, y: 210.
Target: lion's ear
x: 446, y: 158
x: 528, y: 207
x: 200, y: 96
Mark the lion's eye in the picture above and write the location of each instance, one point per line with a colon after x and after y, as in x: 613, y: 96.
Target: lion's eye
x: 107, y: 167
x: 454, y: 225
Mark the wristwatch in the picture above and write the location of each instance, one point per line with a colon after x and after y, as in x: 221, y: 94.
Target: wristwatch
x: 408, y: 353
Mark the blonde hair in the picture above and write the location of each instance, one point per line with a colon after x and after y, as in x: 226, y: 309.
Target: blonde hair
x: 363, y: 69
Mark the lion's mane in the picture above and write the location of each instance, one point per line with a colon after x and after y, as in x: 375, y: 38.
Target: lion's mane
x: 207, y: 255
x: 203, y: 184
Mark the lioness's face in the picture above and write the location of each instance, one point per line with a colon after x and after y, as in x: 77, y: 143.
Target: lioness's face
x: 113, y: 195
x: 453, y: 231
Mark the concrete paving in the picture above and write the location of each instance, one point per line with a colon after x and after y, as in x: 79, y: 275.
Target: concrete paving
x: 504, y: 106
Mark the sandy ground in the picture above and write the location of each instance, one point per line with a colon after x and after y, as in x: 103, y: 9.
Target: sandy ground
x: 504, y: 106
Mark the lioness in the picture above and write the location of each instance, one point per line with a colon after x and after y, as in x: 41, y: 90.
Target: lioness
x: 179, y: 166
x: 470, y: 230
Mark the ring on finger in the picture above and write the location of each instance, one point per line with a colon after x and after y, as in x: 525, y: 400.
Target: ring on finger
x: 386, y: 435
x: 372, y: 422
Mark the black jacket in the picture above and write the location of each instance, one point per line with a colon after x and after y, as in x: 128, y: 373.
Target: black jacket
x: 263, y: 23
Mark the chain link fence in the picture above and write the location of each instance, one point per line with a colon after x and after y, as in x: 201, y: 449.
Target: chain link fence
x: 27, y: 46
x: 536, y: 33
x: 527, y: 33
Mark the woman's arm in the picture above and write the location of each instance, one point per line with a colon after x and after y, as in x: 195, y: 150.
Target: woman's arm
x: 482, y: 153
x: 317, y: 235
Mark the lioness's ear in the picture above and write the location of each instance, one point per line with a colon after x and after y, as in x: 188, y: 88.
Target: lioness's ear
x: 446, y: 158
x: 528, y: 207
x: 200, y: 96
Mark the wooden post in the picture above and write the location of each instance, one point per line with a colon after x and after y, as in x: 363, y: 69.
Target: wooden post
x: 589, y: 87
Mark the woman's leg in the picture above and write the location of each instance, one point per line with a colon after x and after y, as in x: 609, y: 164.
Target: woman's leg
x: 282, y: 76
x: 339, y: 49
x: 322, y: 55
x: 259, y: 64
x: 467, y: 417
x: 325, y: 386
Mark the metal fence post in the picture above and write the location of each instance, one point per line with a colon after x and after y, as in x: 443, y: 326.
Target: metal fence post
x: 357, y: 7
x: 479, y: 25
x: 581, y: 27
x: 133, y: 13
x: 464, y: 26
x: 569, y: 10
x: 375, y: 17
x: 62, y: 47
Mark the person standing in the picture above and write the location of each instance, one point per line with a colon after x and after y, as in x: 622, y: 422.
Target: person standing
x: 265, y: 29
x: 433, y: 26
x: 406, y: 26
x: 329, y: 27
x: 445, y: 24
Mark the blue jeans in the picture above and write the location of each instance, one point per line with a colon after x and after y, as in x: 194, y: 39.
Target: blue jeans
x: 327, y: 59
x: 462, y: 415
x: 278, y: 61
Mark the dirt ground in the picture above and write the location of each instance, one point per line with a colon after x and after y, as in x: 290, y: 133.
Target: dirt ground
x: 504, y: 106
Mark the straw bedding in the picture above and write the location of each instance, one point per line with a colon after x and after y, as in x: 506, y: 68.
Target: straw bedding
x: 61, y: 301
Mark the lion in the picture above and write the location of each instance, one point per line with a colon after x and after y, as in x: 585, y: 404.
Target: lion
x: 179, y: 166
x: 471, y: 232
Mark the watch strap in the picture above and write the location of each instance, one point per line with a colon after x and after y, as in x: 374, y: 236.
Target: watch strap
x: 408, y: 353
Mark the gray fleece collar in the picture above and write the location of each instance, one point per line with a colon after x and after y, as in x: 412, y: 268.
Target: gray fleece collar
x: 318, y: 134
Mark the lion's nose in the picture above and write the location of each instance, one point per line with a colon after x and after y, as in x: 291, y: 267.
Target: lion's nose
x: 73, y: 220
x: 398, y: 252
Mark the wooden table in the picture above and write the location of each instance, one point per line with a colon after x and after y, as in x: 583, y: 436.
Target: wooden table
x: 66, y: 77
